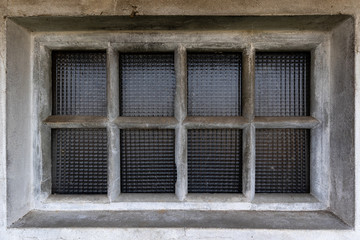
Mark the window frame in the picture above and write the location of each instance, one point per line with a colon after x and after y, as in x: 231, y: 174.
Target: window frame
x: 25, y: 203
x: 246, y: 43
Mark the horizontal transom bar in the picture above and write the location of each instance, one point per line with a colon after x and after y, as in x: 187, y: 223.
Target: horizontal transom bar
x: 285, y: 122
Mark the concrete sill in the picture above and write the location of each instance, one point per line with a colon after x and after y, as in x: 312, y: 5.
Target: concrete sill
x: 285, y: 202
x: 284, y: 198
x: 80, y: 199
x: 182, y: 219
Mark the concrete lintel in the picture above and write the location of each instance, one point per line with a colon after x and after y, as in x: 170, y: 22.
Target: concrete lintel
x: 200, y: 23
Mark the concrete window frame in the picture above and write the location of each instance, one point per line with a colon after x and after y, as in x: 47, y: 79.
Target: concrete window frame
x: 327, y: 41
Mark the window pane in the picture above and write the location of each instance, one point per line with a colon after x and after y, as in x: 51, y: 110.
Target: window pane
x: 79, y: 83
x: 214, y: 84
x: 282, y: 160
x: 214, y: 161
x: 79, y: 161
x: 282, y: 84
x: 148, y: 161
x: 147, y: 84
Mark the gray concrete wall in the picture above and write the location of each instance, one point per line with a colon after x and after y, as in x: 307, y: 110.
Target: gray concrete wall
x: 10, y: 76
x: 18, y: 107
x: 342, y: 99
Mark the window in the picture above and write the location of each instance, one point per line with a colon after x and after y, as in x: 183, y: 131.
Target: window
x: 183, y: 120
x: 232, y: 97
x: 214, y: 159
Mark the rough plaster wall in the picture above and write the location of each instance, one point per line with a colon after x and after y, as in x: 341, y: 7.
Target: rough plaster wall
x: 176, y: 7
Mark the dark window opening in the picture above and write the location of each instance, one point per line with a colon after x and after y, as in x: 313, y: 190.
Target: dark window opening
x: 79, y: 83
x: 214, y: 161
x: 147, y: 89
x: 147, y: 84
x: 148, y: 161
x: 214, y: 84
x: 79, y: 161
x: 282, y: 83
x: 282, y: 161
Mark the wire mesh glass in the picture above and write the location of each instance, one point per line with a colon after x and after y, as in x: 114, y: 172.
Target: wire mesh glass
x: 79, y: 161
x: 148, y: 161
x: 282, y: 161
x: 147, y: 84
x: 282, y: 83
x: 214, y: 84
x: 79, y: 83
x: 214, y: 161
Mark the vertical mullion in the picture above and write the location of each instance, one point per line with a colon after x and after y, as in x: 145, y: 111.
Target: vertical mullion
x: 112, y: 129
x: 248, y: 99
x: 180, y: 112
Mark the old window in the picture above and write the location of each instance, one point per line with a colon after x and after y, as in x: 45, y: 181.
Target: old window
x: 194, y: 122
x: 147, y: 88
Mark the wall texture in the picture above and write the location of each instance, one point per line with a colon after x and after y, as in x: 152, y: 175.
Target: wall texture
x: 12, y: 8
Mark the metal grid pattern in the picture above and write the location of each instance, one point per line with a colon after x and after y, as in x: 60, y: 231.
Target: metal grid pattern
x: 147, y: 84
x: 282, y: 84
x: 214, y: 156
x: 148, y: 161
x: 282, y: 160
x: 214, y: 84
x: 79, y: 83
x: 79, y: 161
x: 214, y: 161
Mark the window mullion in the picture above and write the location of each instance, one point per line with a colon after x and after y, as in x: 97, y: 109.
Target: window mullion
x: 113, y: 130
x: 180, y: 112
x: 248, y: 101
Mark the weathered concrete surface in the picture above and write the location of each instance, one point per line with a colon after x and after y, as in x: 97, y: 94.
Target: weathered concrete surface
x: 18, y: 110
x: 2, y: 127
x: 177, y: 7
x: 190, y: 23
x: 341, y: 145
x: 180, y: 219
x: 180, y: 7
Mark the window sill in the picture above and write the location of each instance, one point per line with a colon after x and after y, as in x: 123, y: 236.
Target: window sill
x: 182, y: 219
x: 192, y: 202
x: 261, y: 198
x: 80, y: 199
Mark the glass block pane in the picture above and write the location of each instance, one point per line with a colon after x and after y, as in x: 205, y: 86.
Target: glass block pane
x: 148, y: 161
x: 214, y: 84
x: 147, y: 84
x: 282, y: 160
x: 282, y: 84
x: 79, y: 162
x: 79, y: 83
x: 214, y: 161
